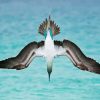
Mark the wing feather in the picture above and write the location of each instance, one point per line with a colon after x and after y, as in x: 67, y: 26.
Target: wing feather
x: 78, y: 58
x: 23, y: 59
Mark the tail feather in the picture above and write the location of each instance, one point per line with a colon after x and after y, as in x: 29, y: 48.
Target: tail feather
x: 43, y: 27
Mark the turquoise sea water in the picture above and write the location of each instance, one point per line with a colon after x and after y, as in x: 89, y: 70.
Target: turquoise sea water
x: 79, y: 21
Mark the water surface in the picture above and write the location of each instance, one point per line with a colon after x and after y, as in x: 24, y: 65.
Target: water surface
x: 79, y: 22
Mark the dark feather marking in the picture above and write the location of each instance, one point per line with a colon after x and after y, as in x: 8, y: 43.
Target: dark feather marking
x: 40, y: 44
x: 53, y: 26
x: 15, y: 62
x: 58, y: 43
x: 86, y: 62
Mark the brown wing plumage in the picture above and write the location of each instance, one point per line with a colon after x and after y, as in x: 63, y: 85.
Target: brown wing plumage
x: 10, y: 63
x: 92, y: 65
x: 78, y: 58
x: 81, y: 61
x: 22, y: 60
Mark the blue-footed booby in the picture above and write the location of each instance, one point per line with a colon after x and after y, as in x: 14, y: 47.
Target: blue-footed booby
x: 50, y: 49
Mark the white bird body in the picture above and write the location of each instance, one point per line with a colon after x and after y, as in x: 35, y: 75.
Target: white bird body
x: 49, y: 50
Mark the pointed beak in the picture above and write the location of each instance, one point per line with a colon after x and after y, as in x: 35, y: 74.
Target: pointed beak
x: 49, y: 73
x: 49, y: 70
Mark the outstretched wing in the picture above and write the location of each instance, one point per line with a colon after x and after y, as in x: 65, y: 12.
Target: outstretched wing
x: 74, y: 53
x: 24, y: 58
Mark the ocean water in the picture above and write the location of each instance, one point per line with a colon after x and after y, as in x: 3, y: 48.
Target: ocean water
x: 79, y: 21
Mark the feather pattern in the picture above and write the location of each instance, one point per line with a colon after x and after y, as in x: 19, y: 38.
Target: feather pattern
x: 24, y: 58
x: 55, y: 28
